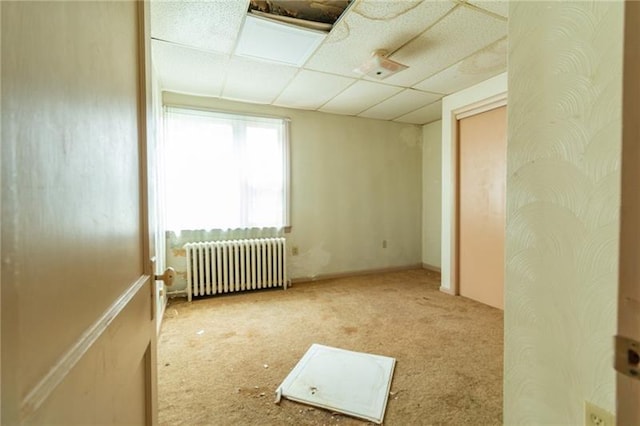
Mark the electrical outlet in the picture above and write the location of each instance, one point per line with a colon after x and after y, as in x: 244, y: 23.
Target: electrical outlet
x: 384, y: 243
x: 596, y: 416
x: 294, y: 250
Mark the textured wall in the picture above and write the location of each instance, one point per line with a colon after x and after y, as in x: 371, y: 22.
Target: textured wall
x: 431, y: 193
x: 354, y: 183
x: 563, y: 190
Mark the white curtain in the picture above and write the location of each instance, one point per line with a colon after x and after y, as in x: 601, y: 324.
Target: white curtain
x: 225, y: 171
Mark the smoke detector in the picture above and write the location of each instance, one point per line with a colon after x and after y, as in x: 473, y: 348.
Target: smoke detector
x: 379, y: 66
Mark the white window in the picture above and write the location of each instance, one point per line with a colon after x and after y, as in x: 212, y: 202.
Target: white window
x: 225, y: 171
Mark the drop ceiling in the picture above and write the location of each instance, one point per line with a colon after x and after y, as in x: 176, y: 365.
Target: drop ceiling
x: 448, y: 46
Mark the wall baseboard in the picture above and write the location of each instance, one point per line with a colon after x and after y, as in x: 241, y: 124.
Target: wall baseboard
x: 163, y: 308
x: 448, y: 291
x: 347, y: 274
x: 430, y: 267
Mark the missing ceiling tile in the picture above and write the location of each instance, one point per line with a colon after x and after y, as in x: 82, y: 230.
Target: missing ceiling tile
x: 313, y: 14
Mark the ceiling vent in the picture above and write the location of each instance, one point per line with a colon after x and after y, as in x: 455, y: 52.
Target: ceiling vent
x: 379, y: 66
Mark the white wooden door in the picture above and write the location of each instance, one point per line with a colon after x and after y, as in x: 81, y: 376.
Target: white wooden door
x: 628, y: 388
x: 78, y: 335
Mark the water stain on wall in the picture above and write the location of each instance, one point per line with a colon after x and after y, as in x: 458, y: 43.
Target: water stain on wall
x: 178, y: 252
x: 310, y: 263
x: 410, y: 136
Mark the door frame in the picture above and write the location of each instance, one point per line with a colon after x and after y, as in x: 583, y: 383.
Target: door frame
x: 1, y: 224
x: 482, y: 97
x: 627, y: 388
x: 146, y: 133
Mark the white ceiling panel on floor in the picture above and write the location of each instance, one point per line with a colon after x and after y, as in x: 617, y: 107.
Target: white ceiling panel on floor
x: 404, y: 102
x: 310, y: 89
x: 458, y: 35
x: 353, y: 383
x: 359, y: 97
x: 482, y: 65
x: 424, y: 115
x: 255, y: 81
x: 499, y: 7
x: 186, y: 70
x: 371, y: 25
x: 209, y: 25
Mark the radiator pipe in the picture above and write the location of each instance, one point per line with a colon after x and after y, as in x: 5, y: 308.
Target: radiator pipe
x: 177, y: 293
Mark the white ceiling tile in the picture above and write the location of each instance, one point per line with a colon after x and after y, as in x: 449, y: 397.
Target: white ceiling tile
x: 359, y: 97
x: 209, y: 25
x: 255, y: 81
x: 371, y: 25
x: 500, y: 7
x: 383, y: 10
x: 264, y: 39
x: 458, y: 35
x: 484, y: 64
x: 459, y: 48
x: 404, y: 102
x: 424, y: 115
x: 310, y: 89
x: 188, y: 70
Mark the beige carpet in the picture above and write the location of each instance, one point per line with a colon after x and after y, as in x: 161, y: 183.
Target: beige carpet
x: 221, y: 358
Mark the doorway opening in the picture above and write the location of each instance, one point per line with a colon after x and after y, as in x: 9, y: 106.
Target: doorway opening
x: 478, y: 99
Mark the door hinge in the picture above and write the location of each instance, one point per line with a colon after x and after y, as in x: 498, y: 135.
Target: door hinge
x: 627, y: 357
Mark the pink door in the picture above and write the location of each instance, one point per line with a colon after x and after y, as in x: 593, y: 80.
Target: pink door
x: 481, y: 215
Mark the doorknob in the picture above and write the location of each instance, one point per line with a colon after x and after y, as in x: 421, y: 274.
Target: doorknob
x: 167, y: 277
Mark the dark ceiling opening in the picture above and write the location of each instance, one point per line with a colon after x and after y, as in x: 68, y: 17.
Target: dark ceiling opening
x: 325, y: 12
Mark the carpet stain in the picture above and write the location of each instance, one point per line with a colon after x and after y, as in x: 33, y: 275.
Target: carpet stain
x: 349, y: 330
x: 448, y: 351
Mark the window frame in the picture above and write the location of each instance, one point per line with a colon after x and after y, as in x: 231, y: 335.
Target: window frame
x: 286, y: 125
